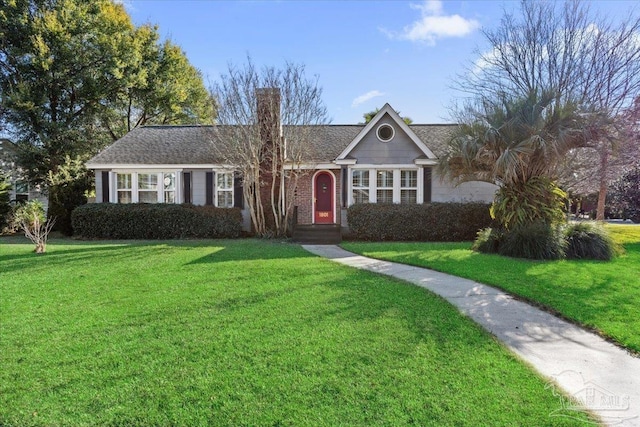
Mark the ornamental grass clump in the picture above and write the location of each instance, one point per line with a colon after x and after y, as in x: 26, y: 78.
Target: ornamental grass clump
x: 488, y: 241
x: 589, y: 240
x: 538, y: 240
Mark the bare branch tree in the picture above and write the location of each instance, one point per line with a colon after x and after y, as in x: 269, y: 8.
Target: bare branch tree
x: 582, y: 58
x: 263, y: 130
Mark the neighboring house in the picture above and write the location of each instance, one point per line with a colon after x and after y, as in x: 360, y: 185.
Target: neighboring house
x: 385, y: 160
x: 21, y: 190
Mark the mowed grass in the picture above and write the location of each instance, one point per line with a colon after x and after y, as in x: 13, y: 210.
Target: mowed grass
x: 604, y: 296
x: 241, y: 333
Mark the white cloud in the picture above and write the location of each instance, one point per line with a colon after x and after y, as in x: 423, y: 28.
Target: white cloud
x: 434, y: 24
x: 364, y: 98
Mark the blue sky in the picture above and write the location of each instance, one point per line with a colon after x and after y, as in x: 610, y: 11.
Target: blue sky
x: 365, y: 53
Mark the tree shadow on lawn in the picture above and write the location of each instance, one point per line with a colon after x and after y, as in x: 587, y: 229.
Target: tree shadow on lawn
x: 52, y: 258
x: 251, y: 250
x: 65, y: 251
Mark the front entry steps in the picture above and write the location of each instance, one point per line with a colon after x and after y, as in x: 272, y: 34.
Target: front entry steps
x: 317, y: 234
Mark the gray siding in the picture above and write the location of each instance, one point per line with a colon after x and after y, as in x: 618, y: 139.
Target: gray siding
x: 475, y: 191
x: 400, y: 150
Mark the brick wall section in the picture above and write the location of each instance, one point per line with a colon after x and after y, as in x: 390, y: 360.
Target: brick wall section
x: 304, y: 196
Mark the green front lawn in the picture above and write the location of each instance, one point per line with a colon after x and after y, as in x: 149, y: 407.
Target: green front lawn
x: 604, y: 296
x: 242, y: 333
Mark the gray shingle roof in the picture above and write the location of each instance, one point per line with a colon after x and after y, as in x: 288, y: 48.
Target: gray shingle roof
x: 160, y: 145
x: 434, y: 136
x: 192, y: 144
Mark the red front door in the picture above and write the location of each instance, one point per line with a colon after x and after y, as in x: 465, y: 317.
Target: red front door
x: 323, y: 211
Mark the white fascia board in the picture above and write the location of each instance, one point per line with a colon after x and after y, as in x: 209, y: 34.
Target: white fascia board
x: 346, y: 161
x: 426, y: 162
x: 386, y: 166
x: 136, y: 167
x: 311, y: 166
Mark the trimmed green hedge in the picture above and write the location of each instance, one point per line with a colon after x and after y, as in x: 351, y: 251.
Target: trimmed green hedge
x: 155, y: 221
x: 433, y: 222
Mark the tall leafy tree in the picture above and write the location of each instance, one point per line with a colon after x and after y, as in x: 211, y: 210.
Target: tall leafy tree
x: 60, y: 60
x: 75, y: 75
x: 161, y: 87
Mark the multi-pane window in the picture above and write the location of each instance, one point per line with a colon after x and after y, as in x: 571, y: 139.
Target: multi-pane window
x: 148, y: 187
x: 360, y: 186
x: 224, y: 190
x: 408, y: 187
x: 384, y: 182
x: 124, y: 188
x: 385, y: 186
x: 22, y: 191
x: 169, y: 187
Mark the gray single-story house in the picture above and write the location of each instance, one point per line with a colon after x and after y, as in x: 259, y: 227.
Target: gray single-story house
x: 385, y: 160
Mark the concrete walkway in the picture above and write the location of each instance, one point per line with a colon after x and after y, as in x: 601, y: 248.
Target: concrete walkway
x: 603, y: 377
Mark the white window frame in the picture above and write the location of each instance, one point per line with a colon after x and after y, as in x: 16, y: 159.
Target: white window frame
x: 134, y: 190
x: 397, y: 171
x: 166, y: 191
x: 354, y: 188
x: 386, y: 187
x: 402, y: 187
x: 150, y: 190
x: 116, y: 199
x: 219, y: 189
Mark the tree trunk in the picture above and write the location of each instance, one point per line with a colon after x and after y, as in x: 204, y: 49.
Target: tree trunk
x: 602, y: 191
x: 41, y: 248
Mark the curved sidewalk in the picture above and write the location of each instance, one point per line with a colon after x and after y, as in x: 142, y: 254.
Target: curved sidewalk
x: 603, y: 377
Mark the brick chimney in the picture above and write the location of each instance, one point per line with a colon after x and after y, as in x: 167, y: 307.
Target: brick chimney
x: 268, y: 109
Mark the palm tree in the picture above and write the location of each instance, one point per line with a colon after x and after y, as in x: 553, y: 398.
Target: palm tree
x: 518, y: 144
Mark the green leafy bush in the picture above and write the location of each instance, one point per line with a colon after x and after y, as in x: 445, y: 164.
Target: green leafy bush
x: 589, y: 240
x: 155, y: 221
x: 537, y: 240
x: 537, y: 200
x: 435, y: 222
x: 67, y: 190
x: 488, y: 240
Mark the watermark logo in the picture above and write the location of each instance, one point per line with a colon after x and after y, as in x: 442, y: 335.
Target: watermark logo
x: 611, y: 407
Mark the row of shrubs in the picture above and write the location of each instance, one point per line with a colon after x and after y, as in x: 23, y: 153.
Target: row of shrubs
x: 576, y: 240
x: 434, y: 222
x: 155, y: 221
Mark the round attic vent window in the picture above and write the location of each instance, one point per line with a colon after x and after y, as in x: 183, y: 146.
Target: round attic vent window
x: 385, y: 133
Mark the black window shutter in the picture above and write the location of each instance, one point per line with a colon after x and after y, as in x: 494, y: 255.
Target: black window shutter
x: 238, y: 197
x: 345, y: 186
x: 427, y: 185
x: 105, y: 187
x: 208, y: 188
x: 186, y: 179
